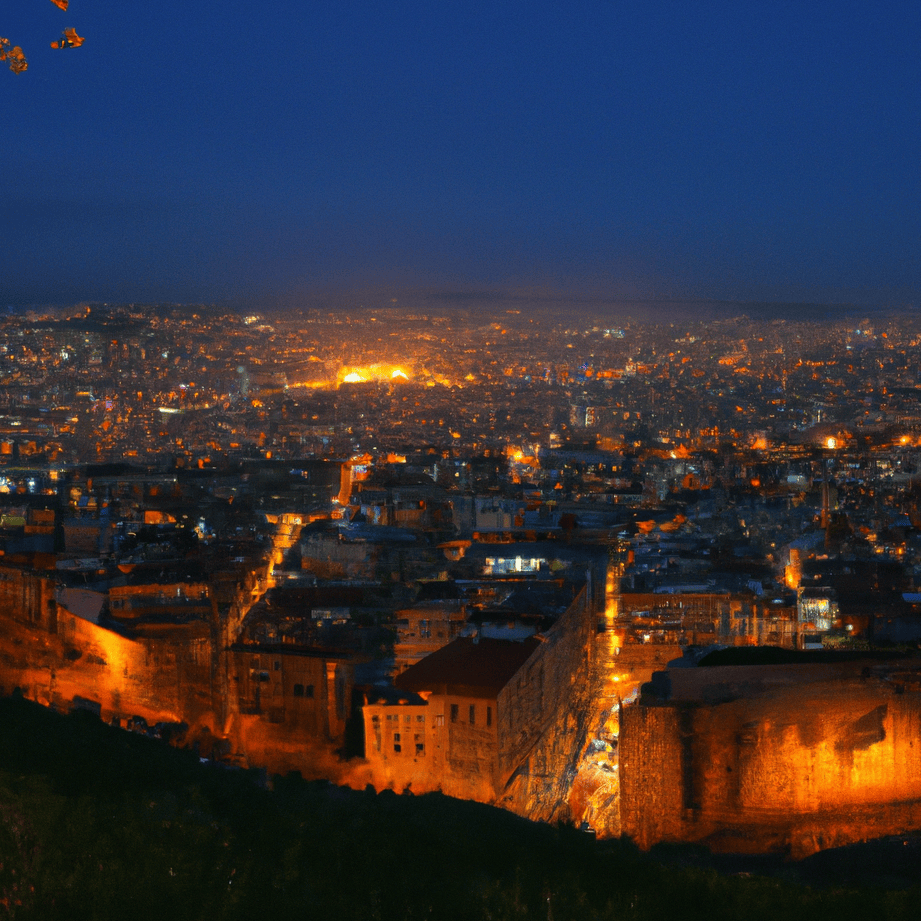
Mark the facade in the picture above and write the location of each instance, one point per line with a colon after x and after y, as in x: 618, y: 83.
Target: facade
x: 454, y: 727
x: 425, y: 628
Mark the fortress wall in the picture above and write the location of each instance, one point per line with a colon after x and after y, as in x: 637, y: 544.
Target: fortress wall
x: 124, y: 677
x: 791, y: 769
x: 652, y: 764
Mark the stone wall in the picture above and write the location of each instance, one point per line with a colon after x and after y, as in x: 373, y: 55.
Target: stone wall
x: 785, y: 759
x: 538, y: 763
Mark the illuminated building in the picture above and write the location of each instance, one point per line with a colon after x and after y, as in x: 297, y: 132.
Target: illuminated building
x: 473, y: 718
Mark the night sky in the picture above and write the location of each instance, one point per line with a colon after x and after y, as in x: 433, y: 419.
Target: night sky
x: 262, y: 153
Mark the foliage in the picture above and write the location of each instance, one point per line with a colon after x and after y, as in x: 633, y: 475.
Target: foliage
x: 69, y: 39
x: 99, y: 823
x: 15, y: 55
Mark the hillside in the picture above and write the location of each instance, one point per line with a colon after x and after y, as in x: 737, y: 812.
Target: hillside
x: 98, y: 823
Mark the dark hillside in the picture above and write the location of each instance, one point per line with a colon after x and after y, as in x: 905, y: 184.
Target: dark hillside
x: 98, y: 823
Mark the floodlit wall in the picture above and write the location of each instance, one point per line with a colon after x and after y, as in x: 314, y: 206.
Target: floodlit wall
x: 774, y: 758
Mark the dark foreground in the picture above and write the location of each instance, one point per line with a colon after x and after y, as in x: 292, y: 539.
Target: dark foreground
x: 96, y: 822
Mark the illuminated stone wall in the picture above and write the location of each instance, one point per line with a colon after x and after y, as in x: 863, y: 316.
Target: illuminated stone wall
x: 774, y: 758
x: 539, y: 769
x: 161, y: 681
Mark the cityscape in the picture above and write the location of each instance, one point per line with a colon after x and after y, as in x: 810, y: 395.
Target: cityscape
x: 486, y: 554
x: 460, y: 461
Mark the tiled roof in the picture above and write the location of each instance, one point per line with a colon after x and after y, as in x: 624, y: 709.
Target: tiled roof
x: 469, y: 667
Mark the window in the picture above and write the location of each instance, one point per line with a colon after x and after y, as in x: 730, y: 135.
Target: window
x: 454, y: 712
x: 425, y: 628
x: 489, y: 716
x: 376, y: 724
x: 439, y: 720
x: 397, y: 747
x: 308, y: 691
x: 472, y: 714
x: 420, y: 745
x: 277, y: 665
x: 299, y: 692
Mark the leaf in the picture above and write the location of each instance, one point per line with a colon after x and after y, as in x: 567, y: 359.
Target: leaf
x: 61, y: 4
x: 14, y: 55
x: 69, y: 39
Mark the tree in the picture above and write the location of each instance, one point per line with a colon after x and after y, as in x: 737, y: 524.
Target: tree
x: 15, y: 56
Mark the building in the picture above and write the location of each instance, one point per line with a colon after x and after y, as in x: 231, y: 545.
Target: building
x: 466, y: 719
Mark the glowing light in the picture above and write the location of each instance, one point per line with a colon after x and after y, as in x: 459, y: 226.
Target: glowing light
x: 831, y: 442
x: 376, y: 373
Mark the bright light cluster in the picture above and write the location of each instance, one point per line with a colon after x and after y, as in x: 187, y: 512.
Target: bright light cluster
x: 372, y: 374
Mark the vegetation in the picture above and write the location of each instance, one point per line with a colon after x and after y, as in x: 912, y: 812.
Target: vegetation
x: 96, y: 822
x: 15, y: 56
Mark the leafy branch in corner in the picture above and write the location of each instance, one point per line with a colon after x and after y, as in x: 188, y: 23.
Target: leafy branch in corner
x: 15, y: 56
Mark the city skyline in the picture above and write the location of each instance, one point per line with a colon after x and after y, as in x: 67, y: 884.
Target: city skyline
x: 236, y: 155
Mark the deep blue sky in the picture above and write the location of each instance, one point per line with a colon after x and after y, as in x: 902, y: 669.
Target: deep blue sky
x: 207, y: 151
